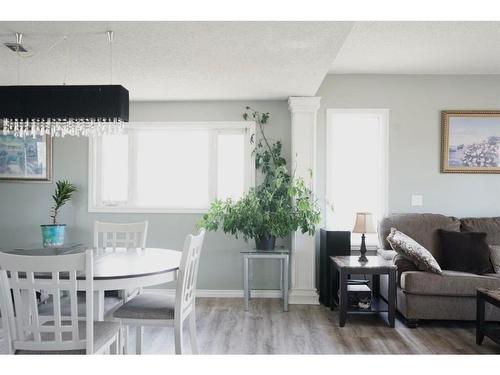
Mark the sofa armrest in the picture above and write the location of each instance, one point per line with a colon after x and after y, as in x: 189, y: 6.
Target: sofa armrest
x: 387, y: 254
x: 404, y: 264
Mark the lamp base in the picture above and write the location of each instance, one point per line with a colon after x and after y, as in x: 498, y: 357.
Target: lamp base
x: 362, y: 258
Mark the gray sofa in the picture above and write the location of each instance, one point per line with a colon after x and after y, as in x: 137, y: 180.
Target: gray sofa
x: 423, y: 295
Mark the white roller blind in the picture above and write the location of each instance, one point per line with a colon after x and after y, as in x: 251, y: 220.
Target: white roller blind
x: 114, y: 168
x: 356, y: 168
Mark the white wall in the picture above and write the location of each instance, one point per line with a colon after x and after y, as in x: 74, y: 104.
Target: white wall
x: 415, y: 102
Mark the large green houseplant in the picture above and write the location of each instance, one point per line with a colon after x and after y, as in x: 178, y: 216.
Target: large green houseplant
x: 279, y: 205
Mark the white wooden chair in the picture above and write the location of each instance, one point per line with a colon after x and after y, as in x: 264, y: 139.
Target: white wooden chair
x: 163, y: 310
x: 28, y: 332
x: 120, y: 235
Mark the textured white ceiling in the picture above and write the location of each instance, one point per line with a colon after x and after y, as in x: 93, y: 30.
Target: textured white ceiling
x: 421, y: 48
x: 178, y: 60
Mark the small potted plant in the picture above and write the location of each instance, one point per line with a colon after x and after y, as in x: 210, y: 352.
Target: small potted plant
x: 279, y: 205
x: 53, y: 234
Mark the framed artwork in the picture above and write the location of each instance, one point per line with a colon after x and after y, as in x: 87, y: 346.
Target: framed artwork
x: 25, y: 159
x: 470, y: 141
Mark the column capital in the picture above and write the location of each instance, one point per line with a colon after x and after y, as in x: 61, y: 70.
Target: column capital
x: 304, y: 103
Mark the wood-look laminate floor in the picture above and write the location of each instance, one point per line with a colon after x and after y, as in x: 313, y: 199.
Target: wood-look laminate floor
x: 225, y: 328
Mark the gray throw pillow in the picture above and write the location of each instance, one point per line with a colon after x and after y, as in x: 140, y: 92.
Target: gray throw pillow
x: 411, y: 249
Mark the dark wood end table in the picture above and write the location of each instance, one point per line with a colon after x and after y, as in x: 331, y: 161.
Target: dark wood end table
x: 343, y: 266
x: 484, y: 328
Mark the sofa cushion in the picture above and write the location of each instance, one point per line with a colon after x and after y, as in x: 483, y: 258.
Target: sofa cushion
x: 412, y: 250
x: 465, y: 252
x: 421, y: 227
x: 494, y: 275
x: 488, y: 225
x: 449, y: 283
x: 495, y: 257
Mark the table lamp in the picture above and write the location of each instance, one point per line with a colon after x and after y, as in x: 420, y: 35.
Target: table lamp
x: 364, y: 224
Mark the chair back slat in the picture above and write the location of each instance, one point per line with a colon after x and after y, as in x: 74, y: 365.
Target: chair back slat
x: 33, y: 320
x: 24, y: 276
x: 8, y: 320
x: 73, y: 297
x: 188, y: 273
x: 120, y: 235
x: 57, y: 308
x: 21, y: 313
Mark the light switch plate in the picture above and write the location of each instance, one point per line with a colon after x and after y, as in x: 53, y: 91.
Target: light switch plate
x: 417, y: 200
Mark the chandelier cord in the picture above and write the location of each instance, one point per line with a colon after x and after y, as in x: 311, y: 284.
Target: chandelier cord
x: 66, y: 58
x: 18, y: 62
x: 51, y: 125
x: 19, y: 40
x: 110, y: 41
x: 27, y: 55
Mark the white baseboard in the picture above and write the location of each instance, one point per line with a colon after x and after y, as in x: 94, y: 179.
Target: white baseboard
x: 296, y: 297
x: 303, y: 297
x: 220, y: 293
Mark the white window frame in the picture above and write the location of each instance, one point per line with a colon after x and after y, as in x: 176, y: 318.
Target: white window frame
x: 225, y: 127
x: 384, y: 113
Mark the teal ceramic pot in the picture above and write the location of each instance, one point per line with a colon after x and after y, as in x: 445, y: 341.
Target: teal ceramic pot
x: 53, y: 235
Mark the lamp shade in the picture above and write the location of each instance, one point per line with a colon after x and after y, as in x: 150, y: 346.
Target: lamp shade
x: 364, y: 223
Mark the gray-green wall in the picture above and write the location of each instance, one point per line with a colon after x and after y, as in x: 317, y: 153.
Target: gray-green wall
x: 415, y: 102
x: 24, y: 206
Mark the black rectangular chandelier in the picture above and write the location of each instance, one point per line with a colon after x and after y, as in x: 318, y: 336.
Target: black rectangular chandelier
x: 83, y: 110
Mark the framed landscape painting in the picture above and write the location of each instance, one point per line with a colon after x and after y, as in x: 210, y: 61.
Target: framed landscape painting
x: 25, y: 159
x: 470, y: 141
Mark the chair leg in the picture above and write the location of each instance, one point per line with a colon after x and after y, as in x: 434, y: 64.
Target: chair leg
x: 178, y: 336
x: 115, y: 345
x: 192, y: 331
x: 138, y: 339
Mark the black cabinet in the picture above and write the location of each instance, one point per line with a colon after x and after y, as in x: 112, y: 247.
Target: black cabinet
x: 332, y: 243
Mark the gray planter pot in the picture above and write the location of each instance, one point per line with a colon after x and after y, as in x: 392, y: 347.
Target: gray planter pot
x: 265, y: 243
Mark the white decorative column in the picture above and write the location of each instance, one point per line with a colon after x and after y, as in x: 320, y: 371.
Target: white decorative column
x: 303, y: 267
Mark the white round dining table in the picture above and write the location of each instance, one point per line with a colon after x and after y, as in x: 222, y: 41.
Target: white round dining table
x: 122, y: 269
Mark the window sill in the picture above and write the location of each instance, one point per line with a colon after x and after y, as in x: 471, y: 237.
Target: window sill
x: 133, y: 210
x: 368, y: 247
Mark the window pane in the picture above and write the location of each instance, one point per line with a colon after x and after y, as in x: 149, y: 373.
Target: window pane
x: 356, y: 170
x: 230, y: 166
x: 114, y: 162
x: 172, y: 168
